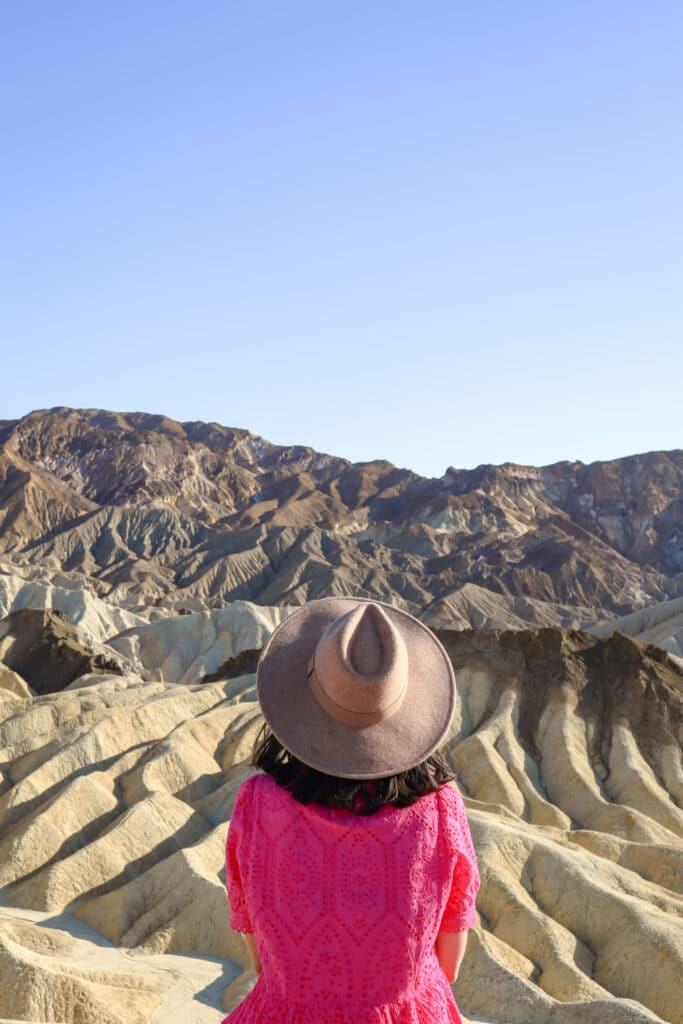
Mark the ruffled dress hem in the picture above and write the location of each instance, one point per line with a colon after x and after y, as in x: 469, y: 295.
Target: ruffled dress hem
x: 434, y: 1001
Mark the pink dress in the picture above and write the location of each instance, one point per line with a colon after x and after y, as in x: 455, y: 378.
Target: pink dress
x: 345, y: 908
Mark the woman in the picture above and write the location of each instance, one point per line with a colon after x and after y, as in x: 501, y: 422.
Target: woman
x: 350, y: 868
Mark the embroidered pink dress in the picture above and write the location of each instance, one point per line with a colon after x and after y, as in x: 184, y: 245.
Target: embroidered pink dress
x: 345, y: 908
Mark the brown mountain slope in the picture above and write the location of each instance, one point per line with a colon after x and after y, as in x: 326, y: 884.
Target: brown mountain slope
x: 31, y: 503
x: 195, y: 510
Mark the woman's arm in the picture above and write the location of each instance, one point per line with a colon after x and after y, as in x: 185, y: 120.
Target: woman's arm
x: 450, y: 949
x: 253, y: 952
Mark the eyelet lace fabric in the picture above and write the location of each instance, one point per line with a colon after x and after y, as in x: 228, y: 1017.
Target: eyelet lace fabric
x: 345, y: 908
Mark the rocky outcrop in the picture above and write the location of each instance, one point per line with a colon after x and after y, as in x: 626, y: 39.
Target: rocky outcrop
x: 46, y: 650
x: 11, y: 684
x: 95, y: 619
x: 200, y: 645
x: 659, y: 624
x: 566, y: 729
x: 49, y: 975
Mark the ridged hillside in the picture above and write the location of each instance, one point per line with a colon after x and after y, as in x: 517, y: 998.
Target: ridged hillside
x: 141, y: 509
x: 116, y: 795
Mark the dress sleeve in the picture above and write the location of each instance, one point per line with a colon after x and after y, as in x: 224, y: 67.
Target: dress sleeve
x: 460, y: 913
x: 240, y: 920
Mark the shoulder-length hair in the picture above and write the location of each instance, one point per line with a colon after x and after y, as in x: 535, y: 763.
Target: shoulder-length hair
x: 362, y: 796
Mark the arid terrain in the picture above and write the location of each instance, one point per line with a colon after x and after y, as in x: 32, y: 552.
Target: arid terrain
x: 143, y: 565
x: 144, y: 510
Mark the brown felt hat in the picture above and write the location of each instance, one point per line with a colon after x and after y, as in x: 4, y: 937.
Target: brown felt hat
x: 356, y: 688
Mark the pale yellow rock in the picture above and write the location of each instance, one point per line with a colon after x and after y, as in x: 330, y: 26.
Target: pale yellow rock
x: 115, y: 801
x: 564, y: 910
x: 491, y: 762
x: 631, y: 781
x: 177, y: 906
x: 75, y: 813
x: 572, y: 784
x: 185, y: 648
x: 43, y: 979
x: 148, y: 831
x: 239, y: 989
x: 11, y: 682
x: 96, y: 619
x: 9, y: 698
x: 79, y: 950
x: 660, y: 624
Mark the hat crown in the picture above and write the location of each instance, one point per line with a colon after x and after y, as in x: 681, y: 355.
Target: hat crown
x: 361, y: 665
x: 366, y: 652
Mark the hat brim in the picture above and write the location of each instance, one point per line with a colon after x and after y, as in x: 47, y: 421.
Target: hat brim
x: 299, y: 722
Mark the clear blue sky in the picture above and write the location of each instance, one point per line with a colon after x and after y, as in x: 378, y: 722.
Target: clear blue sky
x: 437, y: 233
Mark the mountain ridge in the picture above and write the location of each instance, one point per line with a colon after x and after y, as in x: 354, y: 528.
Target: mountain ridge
x: 143, y: 503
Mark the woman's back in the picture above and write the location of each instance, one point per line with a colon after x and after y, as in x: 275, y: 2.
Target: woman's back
x: 345, y: 908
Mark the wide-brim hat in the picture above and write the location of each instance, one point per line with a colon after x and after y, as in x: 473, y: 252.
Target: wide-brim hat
x: 356, y: 688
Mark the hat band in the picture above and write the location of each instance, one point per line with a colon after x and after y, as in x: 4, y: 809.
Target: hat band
x: 346, y: 715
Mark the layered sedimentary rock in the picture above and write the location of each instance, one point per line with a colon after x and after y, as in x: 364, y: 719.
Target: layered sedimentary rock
x: 660, y: 624
x: 199, y: 645
x: 147, y: 511
x: 115, y: 801
x: 580, y: 738
x: 51, y: 647
x: 95, y: 619
x: 48, y: 652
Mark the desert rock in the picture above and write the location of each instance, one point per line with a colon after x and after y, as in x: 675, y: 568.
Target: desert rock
x: 116, y: 799
x: 48, y: 652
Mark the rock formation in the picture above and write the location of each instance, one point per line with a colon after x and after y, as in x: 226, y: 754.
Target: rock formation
x: 115, y: 800
x: 45, y: 649
x: 660, y: 624
x: 198, y: 645
x: 95, y: 619
x: 143, y: 510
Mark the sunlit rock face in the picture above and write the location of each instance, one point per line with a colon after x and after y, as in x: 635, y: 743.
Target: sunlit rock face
x: 569, y: 748
x: 156, y: 515
x: 659, y: 624
x: 116, y: 795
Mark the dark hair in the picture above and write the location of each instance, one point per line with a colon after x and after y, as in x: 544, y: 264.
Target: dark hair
x: 362, y: 796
